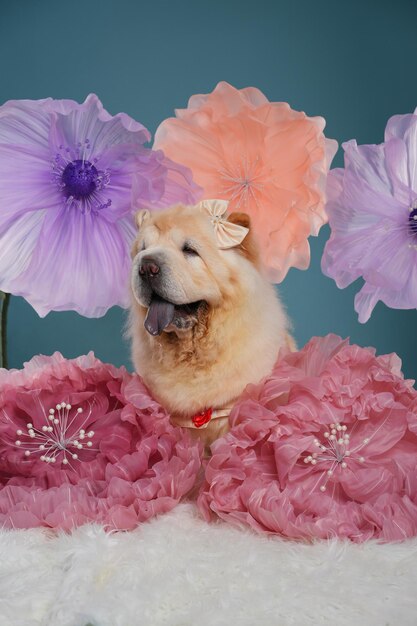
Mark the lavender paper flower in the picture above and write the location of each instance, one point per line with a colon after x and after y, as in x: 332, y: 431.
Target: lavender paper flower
x: 372, y: 209
x: 66, y: 176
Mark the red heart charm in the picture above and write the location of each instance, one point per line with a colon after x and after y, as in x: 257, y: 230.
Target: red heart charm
x: 202, y: 418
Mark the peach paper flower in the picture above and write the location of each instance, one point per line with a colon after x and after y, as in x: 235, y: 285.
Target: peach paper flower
x: 264, y: 158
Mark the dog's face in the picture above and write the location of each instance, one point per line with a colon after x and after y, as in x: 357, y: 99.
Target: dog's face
x: 178, y: 271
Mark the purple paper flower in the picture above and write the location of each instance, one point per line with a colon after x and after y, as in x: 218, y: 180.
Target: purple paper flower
x: 372, y: 208
x: 66, y: 225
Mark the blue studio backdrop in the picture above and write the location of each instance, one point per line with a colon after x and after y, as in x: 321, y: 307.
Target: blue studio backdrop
x: 351, y: 62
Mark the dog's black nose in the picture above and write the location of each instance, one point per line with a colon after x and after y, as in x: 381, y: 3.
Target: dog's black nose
x: 149, y: 268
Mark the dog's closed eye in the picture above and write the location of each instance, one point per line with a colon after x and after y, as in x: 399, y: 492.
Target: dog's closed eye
x: 188, y: 250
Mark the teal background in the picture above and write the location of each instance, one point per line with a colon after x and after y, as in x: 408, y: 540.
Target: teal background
x: 352, y: 62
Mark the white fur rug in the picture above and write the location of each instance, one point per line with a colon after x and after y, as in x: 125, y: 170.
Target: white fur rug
x: 179, y: 571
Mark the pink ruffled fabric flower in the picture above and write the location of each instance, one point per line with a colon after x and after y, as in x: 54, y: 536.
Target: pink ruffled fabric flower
x: 264, y: 158
x: 324, y: 447
x: 83, y: 441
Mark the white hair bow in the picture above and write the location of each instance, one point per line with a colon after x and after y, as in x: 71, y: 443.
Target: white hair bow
x: 228, y: 234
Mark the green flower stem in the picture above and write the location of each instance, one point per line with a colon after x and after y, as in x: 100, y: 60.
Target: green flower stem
x: 4, y: 305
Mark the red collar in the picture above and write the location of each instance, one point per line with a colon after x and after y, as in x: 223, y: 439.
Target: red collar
x: 202, y: 419
x: 199, y: 419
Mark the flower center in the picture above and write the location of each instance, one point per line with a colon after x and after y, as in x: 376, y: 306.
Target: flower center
x: 80, y: 179
x: 412, y: 221
x: 335, y: 451
x: 75, y: 172
x: 52, y: 442
x: 243, y: 181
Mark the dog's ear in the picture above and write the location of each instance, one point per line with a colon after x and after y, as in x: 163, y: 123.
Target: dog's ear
x: 141, y: 216
x: 249, y: 246
x: 237, y: 217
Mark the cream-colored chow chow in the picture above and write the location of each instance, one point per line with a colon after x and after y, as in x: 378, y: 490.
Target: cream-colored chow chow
x: 204, y: 322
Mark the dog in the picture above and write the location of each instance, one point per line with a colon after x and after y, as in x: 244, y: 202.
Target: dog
x: 204, y: 322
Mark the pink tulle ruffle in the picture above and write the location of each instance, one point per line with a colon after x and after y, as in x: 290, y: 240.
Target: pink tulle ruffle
x: 324, y: 447
x: 83, y: 441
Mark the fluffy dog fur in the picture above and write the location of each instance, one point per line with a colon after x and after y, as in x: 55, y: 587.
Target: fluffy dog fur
x: 206, y: 357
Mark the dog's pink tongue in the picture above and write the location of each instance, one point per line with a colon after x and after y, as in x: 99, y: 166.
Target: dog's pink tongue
x: 160, y: 315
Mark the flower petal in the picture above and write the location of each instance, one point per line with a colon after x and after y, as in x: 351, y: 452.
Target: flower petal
x: 85, y: 247
x: 405, y: 127
x: 25, y: 123
x: 17, y: 245
x: 79, y: 122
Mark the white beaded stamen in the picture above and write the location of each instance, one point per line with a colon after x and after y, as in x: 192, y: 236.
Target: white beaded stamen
x: 336, y: 450
x: 51, y: 440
